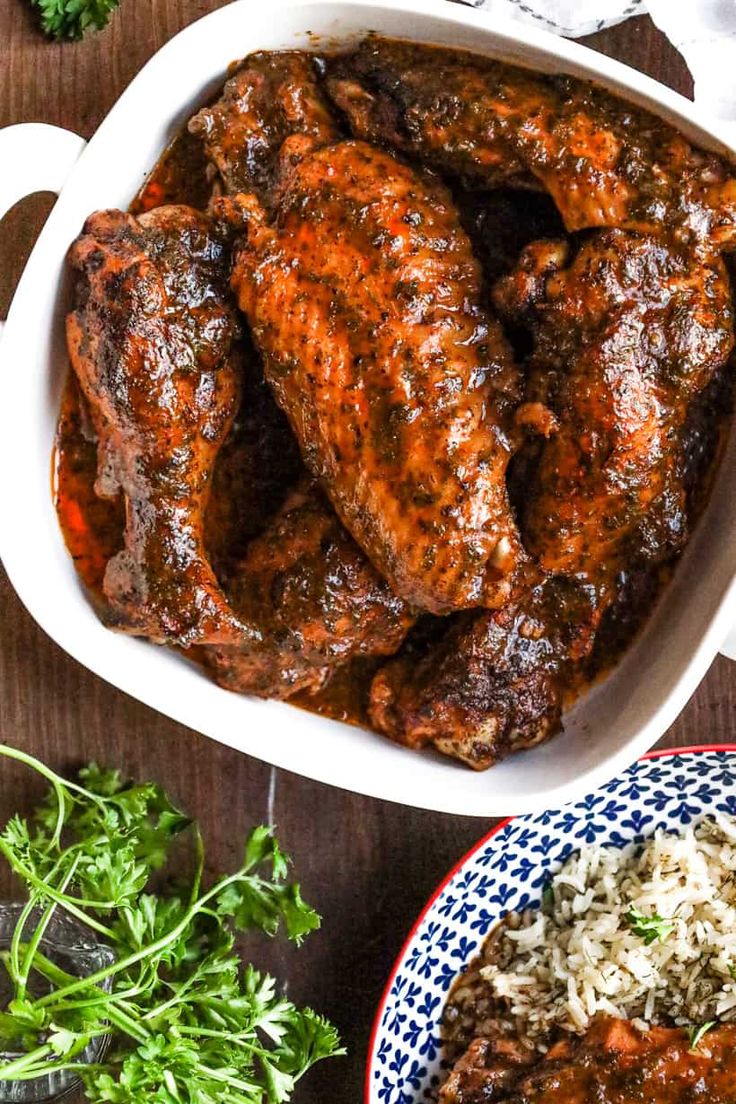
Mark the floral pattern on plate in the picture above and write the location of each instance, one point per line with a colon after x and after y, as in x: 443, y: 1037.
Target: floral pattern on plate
x: 507, y: 871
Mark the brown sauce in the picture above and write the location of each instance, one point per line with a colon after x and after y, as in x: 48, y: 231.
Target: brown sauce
x: 92, y: 526
x: 345, y: 697
x: 180, y: 176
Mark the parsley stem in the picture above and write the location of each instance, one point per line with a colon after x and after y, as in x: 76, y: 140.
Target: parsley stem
x: 150, y: 951
x: 101, y: 997
x: 227, y: 1079
x: 126, y: 1023
x: 35, y: 1071
x: 55, y: 974
x: 113, y: 1009
x: 19, y: 972
x: 11, y: 1069
x: 199, y: 871
x: 213, y: 1033
x: 59, y: 785
x: 13, y: 962
x: 49, y: 969
x: 68, y: 903
x: 35, y: 942
x: 179, y: 998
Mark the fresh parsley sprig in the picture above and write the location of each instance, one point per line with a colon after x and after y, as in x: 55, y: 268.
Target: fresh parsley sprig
x: 187, y: 1021
x: 73, y: 18
x: 649, y: 928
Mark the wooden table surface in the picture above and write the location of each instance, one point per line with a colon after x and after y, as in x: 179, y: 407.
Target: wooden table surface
x: 368, y: 866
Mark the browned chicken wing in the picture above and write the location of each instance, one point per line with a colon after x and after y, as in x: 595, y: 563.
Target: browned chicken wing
x: 364, y: 296
x: 613, y: 1063
x: 604, y: 163
x: 317, y: 599
x: 153, y: 343
x: 627, y: 333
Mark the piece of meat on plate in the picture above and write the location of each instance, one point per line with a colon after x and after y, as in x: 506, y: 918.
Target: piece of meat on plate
x: 613, y: 1063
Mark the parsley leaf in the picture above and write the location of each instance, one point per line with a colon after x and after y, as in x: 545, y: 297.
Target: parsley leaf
x: 187, y: 1020
x: 73, y: 18
x: 696, y: 1033
x: 649, y: 928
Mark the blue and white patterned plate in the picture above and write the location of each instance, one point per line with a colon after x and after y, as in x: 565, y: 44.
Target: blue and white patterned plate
x: 507, y: 870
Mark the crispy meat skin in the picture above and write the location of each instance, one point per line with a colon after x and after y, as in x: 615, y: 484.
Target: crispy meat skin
x: 317, y: 599
x: 495, y: 124
x: 268, y: 97
x: 364, y: 297
x: 613, y: 1063
x: 493, y: 683
x: 482, y: 692
x: 153, y: 343
x: 627, y: 334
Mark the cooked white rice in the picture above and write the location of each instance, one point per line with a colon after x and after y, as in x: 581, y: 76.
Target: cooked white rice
x: 581, y: 954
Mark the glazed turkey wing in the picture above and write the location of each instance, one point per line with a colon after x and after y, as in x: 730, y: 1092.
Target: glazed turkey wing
x: 628, y: 333
x: 494, y: 681
x: 364, y: 297
x: 317, y: 599
x: 153, y: 342
x: 613, y: 1063
x: 481, y: 693
x: 269, y: 97
x: 152, y: 345
x: 313, y: 593
x: 605, y: 163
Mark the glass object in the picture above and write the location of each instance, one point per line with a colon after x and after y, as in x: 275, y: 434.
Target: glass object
x: 72, y: 947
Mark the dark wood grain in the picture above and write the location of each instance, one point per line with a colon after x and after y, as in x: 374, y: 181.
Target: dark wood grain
x: 367, y: 865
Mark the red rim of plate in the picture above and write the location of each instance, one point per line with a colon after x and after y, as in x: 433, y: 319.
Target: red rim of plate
x: 657, y: 754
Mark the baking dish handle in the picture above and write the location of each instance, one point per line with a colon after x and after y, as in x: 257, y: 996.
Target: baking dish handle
x: 35, y: 157
x: 728, y: 647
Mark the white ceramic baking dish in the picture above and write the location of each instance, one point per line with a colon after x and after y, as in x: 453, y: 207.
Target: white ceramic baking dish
x: 608, y: 729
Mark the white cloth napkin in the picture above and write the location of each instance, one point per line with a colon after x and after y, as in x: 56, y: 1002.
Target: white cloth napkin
x: 704, y: 31
x: 572, y: 18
